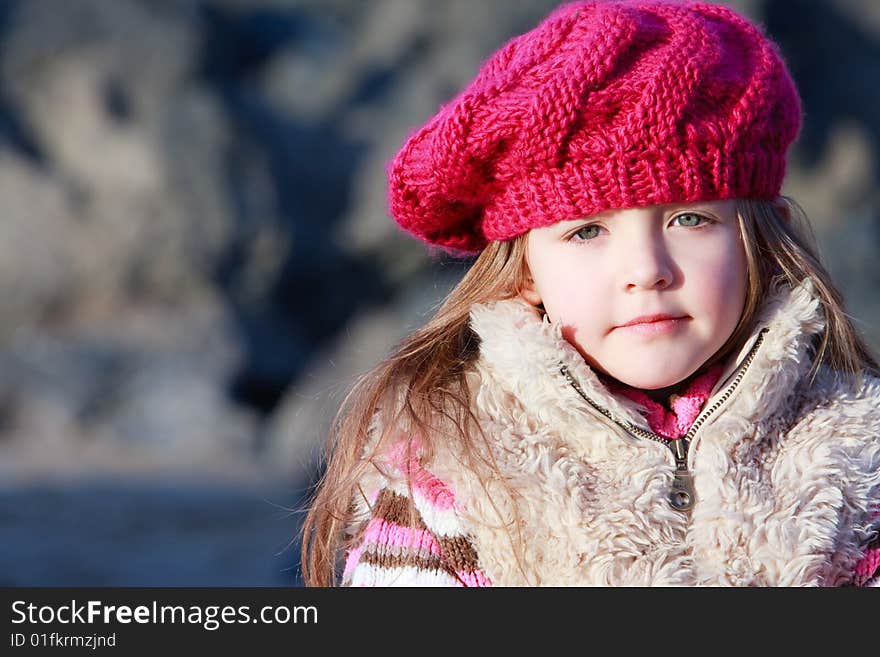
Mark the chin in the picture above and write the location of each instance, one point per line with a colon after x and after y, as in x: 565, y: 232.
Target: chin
x: 648, y: 383
x: 653, y: 386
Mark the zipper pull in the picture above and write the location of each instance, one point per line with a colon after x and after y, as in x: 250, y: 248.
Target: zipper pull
x: 681, y: 497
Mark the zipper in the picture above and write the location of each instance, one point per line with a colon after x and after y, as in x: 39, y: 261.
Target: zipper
x: 681, y: 496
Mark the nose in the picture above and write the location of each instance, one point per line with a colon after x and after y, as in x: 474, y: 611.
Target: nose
x: 646, y: 264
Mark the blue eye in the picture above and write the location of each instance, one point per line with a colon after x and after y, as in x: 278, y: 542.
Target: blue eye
x: 581, y: 233
x: 690, y: 215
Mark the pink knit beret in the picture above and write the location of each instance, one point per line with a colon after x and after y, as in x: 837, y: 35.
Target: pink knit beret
x: 605, y: 104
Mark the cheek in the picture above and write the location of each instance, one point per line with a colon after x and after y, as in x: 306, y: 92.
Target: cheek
x: 572, y: 291
x: 720, y: 280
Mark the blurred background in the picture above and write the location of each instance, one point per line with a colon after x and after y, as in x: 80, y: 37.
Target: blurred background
x: 196, y: 260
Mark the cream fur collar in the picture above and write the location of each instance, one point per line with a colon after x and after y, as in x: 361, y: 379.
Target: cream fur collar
x: 524, y: 353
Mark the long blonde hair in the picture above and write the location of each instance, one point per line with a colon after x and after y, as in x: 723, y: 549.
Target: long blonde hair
x: 430, y: 365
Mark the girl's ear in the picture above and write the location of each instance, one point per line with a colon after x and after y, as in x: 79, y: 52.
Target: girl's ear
x: 530, y: 293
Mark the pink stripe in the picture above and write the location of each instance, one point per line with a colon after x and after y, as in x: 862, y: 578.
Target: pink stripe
x: 351, y: 561
x: 434, y: 490
x: 868, y: 563
x: 474, y: 578
x: 382, y: 532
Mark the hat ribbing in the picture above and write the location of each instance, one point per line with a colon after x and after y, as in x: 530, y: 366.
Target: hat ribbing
x: 603, y: 105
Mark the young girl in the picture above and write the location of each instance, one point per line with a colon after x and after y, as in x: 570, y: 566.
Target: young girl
x: 646, y: 377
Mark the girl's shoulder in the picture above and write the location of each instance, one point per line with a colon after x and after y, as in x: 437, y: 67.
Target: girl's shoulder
x: 405, y: 526
x: 836, y: 388
x: 836, y: 406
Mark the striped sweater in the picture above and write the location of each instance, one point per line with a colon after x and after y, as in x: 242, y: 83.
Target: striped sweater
x: 446, y: 542
x: 394, y: 549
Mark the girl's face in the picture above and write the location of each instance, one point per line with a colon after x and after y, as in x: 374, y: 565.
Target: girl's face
x: 596, y: 274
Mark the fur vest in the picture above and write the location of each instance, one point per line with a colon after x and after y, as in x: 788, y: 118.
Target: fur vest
x: 783, y: 475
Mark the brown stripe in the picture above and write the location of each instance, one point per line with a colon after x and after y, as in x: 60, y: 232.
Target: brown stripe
x: 459, y: 553
x: 395, y: 508
x: 391, y: 560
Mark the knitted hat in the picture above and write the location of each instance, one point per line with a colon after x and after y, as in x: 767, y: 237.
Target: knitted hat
x: 605, y: 104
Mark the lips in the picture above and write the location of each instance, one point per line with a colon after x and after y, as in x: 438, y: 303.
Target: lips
x: 650, y: 319
x: 652, y: 326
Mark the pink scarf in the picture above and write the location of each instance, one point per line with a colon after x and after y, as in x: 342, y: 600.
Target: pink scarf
x: 674, y: 420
